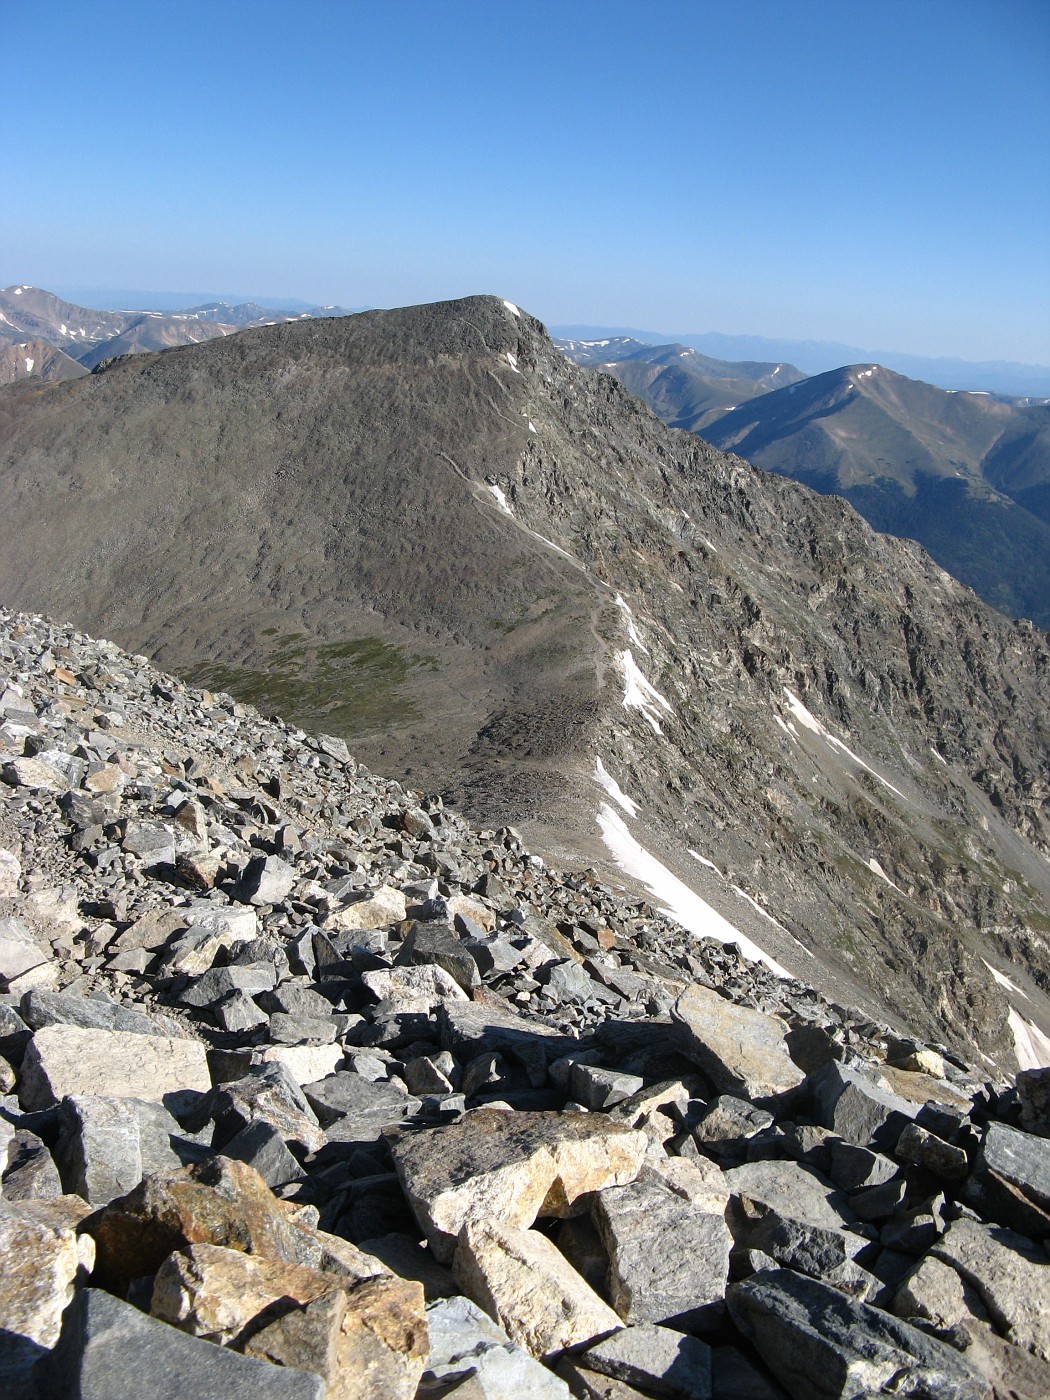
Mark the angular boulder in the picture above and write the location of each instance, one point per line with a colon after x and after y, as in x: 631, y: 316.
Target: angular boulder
x: 743, y: 1052
x: 821, y: 1345
x: 62, y: 1059
x: 528, y: 1286
x: 510, y: 1168
x: 668, y: 1258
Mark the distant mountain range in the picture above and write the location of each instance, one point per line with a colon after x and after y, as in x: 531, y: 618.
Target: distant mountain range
x: 817, y: 356
x: 964, y: 474
x: 86, y: 337
x: 684, y: 388
x: 967, y: 474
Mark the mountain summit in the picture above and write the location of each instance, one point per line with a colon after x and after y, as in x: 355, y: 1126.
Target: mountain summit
x: 503, y: 579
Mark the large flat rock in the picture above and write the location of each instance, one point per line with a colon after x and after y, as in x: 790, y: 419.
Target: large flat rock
x: 511, y: 1168
x: 741, y: 1051
x: 111, y: 1351
x: 63, y: 1059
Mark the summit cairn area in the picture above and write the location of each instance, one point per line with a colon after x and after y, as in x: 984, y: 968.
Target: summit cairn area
x: 310, y: 1089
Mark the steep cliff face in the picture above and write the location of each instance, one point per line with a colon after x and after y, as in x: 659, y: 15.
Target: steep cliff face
x: 502, y: 578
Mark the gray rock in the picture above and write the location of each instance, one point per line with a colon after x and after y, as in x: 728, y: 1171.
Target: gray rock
x: 567, y: 981
x: 468, y: 1030
x: 268, y: 1092
x: 45, y: 1008
x: 29, y: 1171
x: 879, y: 1202
x: 218, y: 982
x: 464, y: 1341
x: 853, y: 1168
x: 668, y: 1258
x: 1022, y: 1159
x: 343, y: 1095
x: 266, y: 880
x: 821, y: 1345
x: 597, y: 1088
x: 493, y: 955
x: 152, y: 842
x: 743, y: 1052
x: 1011, y: 1274
x: 434, y: 943
x: 19, y: 950
x: 110, y: 1351
x: 261, y: 1145
x: 106, y: 1145
x: 852, y: 1103
x: 793, y: 1189
x: 726, y: 1125
x: 810, y: 1249
x: 657, y: 1359
x: 238, y: 1012
x: 932, y: 1153
x: 913, y: 1231
x: 302, y: 1030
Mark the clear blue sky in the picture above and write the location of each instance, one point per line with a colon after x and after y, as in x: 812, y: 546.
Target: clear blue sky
x: 875, y: 173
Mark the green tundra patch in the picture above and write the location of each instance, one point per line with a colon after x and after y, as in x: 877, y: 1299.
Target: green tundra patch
x: 348, y: 688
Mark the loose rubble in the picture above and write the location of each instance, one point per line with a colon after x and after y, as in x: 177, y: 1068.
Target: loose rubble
x: 308, y: 1089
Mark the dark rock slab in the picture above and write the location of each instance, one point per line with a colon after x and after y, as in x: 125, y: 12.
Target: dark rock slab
x: 109, y: 1350
x: 853, y: 1104
x: 659, y: 1360
x: 821, y: 1345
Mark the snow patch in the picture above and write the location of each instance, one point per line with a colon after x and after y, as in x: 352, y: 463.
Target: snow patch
x: 704, y: 861
x: 18, y: 291
x: 1005, y: 982
x: 876, y: 869
x: 511, y: 308
x: 532, y: 426
x: 612, y: 787
x: 639, y: 694
x: 501, y: 499
x: 1031, y: 1046
x: 677, y: 900
x: 810, y: 721
x: 710, y: 546
x: 939, y: 757
x: 558, y: 549
x: 512, y: 360
x: 632, y: 631
x: 30, y: 362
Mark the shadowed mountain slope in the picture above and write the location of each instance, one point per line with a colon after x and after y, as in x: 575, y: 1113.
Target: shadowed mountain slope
x: 500, y: 576
x: 966, y: 475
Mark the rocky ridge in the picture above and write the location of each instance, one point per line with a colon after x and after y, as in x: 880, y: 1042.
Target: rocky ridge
x: 311, y: 1089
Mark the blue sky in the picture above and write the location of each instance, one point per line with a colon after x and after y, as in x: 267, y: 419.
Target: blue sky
x: 874, y: 173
